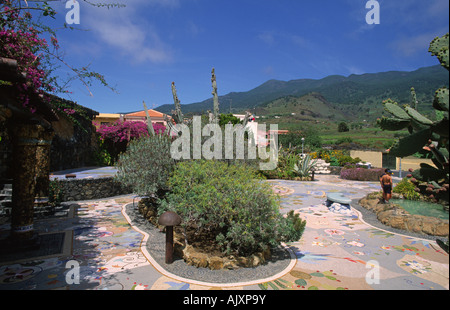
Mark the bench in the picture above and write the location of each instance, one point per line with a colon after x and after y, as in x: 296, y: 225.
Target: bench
x: 339, y: 198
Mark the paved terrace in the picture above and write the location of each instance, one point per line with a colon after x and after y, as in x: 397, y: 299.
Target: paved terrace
x: 117, y: 251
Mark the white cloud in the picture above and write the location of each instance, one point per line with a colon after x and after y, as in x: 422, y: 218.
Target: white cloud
x: 409, y: 46
x: 122, y: 30
x: 267, y: 37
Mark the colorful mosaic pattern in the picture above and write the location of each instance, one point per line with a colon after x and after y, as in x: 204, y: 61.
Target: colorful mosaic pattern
x: 337, y: 251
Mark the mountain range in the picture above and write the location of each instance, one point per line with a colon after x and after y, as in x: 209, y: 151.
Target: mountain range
x: 335, y: 96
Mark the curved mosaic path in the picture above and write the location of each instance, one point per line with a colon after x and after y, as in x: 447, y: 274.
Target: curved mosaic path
x: 337, y: 250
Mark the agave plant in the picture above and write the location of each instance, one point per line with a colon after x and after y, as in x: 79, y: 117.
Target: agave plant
x: 304, y: 166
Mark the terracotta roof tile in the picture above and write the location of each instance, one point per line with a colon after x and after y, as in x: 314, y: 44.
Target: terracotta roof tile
x: 152, y: 113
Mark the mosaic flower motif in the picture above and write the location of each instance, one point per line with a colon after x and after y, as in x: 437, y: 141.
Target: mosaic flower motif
x: 356, y: 243
x: 310, y: 258
x: 416, y: 267
x: 333, y: 232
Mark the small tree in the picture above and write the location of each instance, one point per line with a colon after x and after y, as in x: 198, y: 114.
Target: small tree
x: 343, y: 127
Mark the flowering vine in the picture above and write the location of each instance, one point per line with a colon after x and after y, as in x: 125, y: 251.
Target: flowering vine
x: 23, y: 40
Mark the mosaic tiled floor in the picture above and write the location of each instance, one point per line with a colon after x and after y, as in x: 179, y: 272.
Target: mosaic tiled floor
x: 337, y: 251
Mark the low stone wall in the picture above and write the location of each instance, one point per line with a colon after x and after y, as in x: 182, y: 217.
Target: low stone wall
x: 88, y: 188
x: 397, y: 217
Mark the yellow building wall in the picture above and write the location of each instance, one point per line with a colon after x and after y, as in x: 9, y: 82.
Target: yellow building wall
x: 375, y: 158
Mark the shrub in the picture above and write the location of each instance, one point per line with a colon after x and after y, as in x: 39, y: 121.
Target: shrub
x: 294, y: 139
x: 231, y: 205
x: 56, y: 192
x: 361, y: 174
x: 343, y: 127
x: 406, y: 188
x: 335, y: 157
x: 146, y: 165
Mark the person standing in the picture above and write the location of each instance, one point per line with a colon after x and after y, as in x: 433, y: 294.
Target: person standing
x: 386, y: 185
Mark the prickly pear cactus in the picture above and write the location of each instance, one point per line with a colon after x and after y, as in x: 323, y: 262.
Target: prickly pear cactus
x: 425, y: 135
x: 439, y: 48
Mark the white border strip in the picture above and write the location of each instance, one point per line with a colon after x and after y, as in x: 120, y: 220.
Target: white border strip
x: 166, y: 273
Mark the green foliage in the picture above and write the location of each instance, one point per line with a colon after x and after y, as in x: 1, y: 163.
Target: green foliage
x: 287, y: 158
x: 425, y: 135
x: 101, y: 155
x: 406, y: 188
x: 343, y: 127
x: 304, y: 166
x: 439, y: 48
x: 56, y: 192
x: 230, y: 204
x: 428, y: 173
x: 226, y: 118
x: 146, y: 165
x: 293, y: 139
x: 335, y: 157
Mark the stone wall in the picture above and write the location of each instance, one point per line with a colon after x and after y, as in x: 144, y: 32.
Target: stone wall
x: 88, y: 189
x: 74, y: 143
x: 396, y: 217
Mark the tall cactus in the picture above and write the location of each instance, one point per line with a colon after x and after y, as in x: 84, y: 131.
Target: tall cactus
x: 423, y: 131
x: 150, y: 128
x: 414, y: 101
x: 215, y: 97
x: 177, y: 114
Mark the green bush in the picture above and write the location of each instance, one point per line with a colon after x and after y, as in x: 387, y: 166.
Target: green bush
x: 407, y: 189
x: 146, y: 165
x: 56, y: 192
x: 231, y: 205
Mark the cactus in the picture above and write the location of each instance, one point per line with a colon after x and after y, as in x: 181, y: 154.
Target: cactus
x: 414, y: 101
x: 150, y: 128
x: 439, y: 48
x: 440, y: 102
x: 419, y: 118
x: 423, y: 131
x: 304, y: 166
x: 215, y: 97
x: 177, y: 114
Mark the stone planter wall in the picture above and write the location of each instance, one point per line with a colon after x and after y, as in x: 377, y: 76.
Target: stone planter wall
x: 88, y: 189
x: 194, y: 257
x: 394, y: 216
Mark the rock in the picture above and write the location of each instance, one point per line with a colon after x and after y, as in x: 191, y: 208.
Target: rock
x: 397, y: 217
x: 215, y: 263
x: 195, y: 258
x: 442, y: 230
x: 198, y: 259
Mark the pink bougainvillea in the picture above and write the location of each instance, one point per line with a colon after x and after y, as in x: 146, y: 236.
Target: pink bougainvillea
x: 126, y: 131
x: 115, y: 137
x: 36, y: 49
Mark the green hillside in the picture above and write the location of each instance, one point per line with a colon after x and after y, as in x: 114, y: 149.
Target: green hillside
x: 355, y: 97
x: 305, y: 108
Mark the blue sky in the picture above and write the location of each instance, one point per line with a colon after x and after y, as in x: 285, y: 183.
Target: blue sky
x: 142, y: 48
